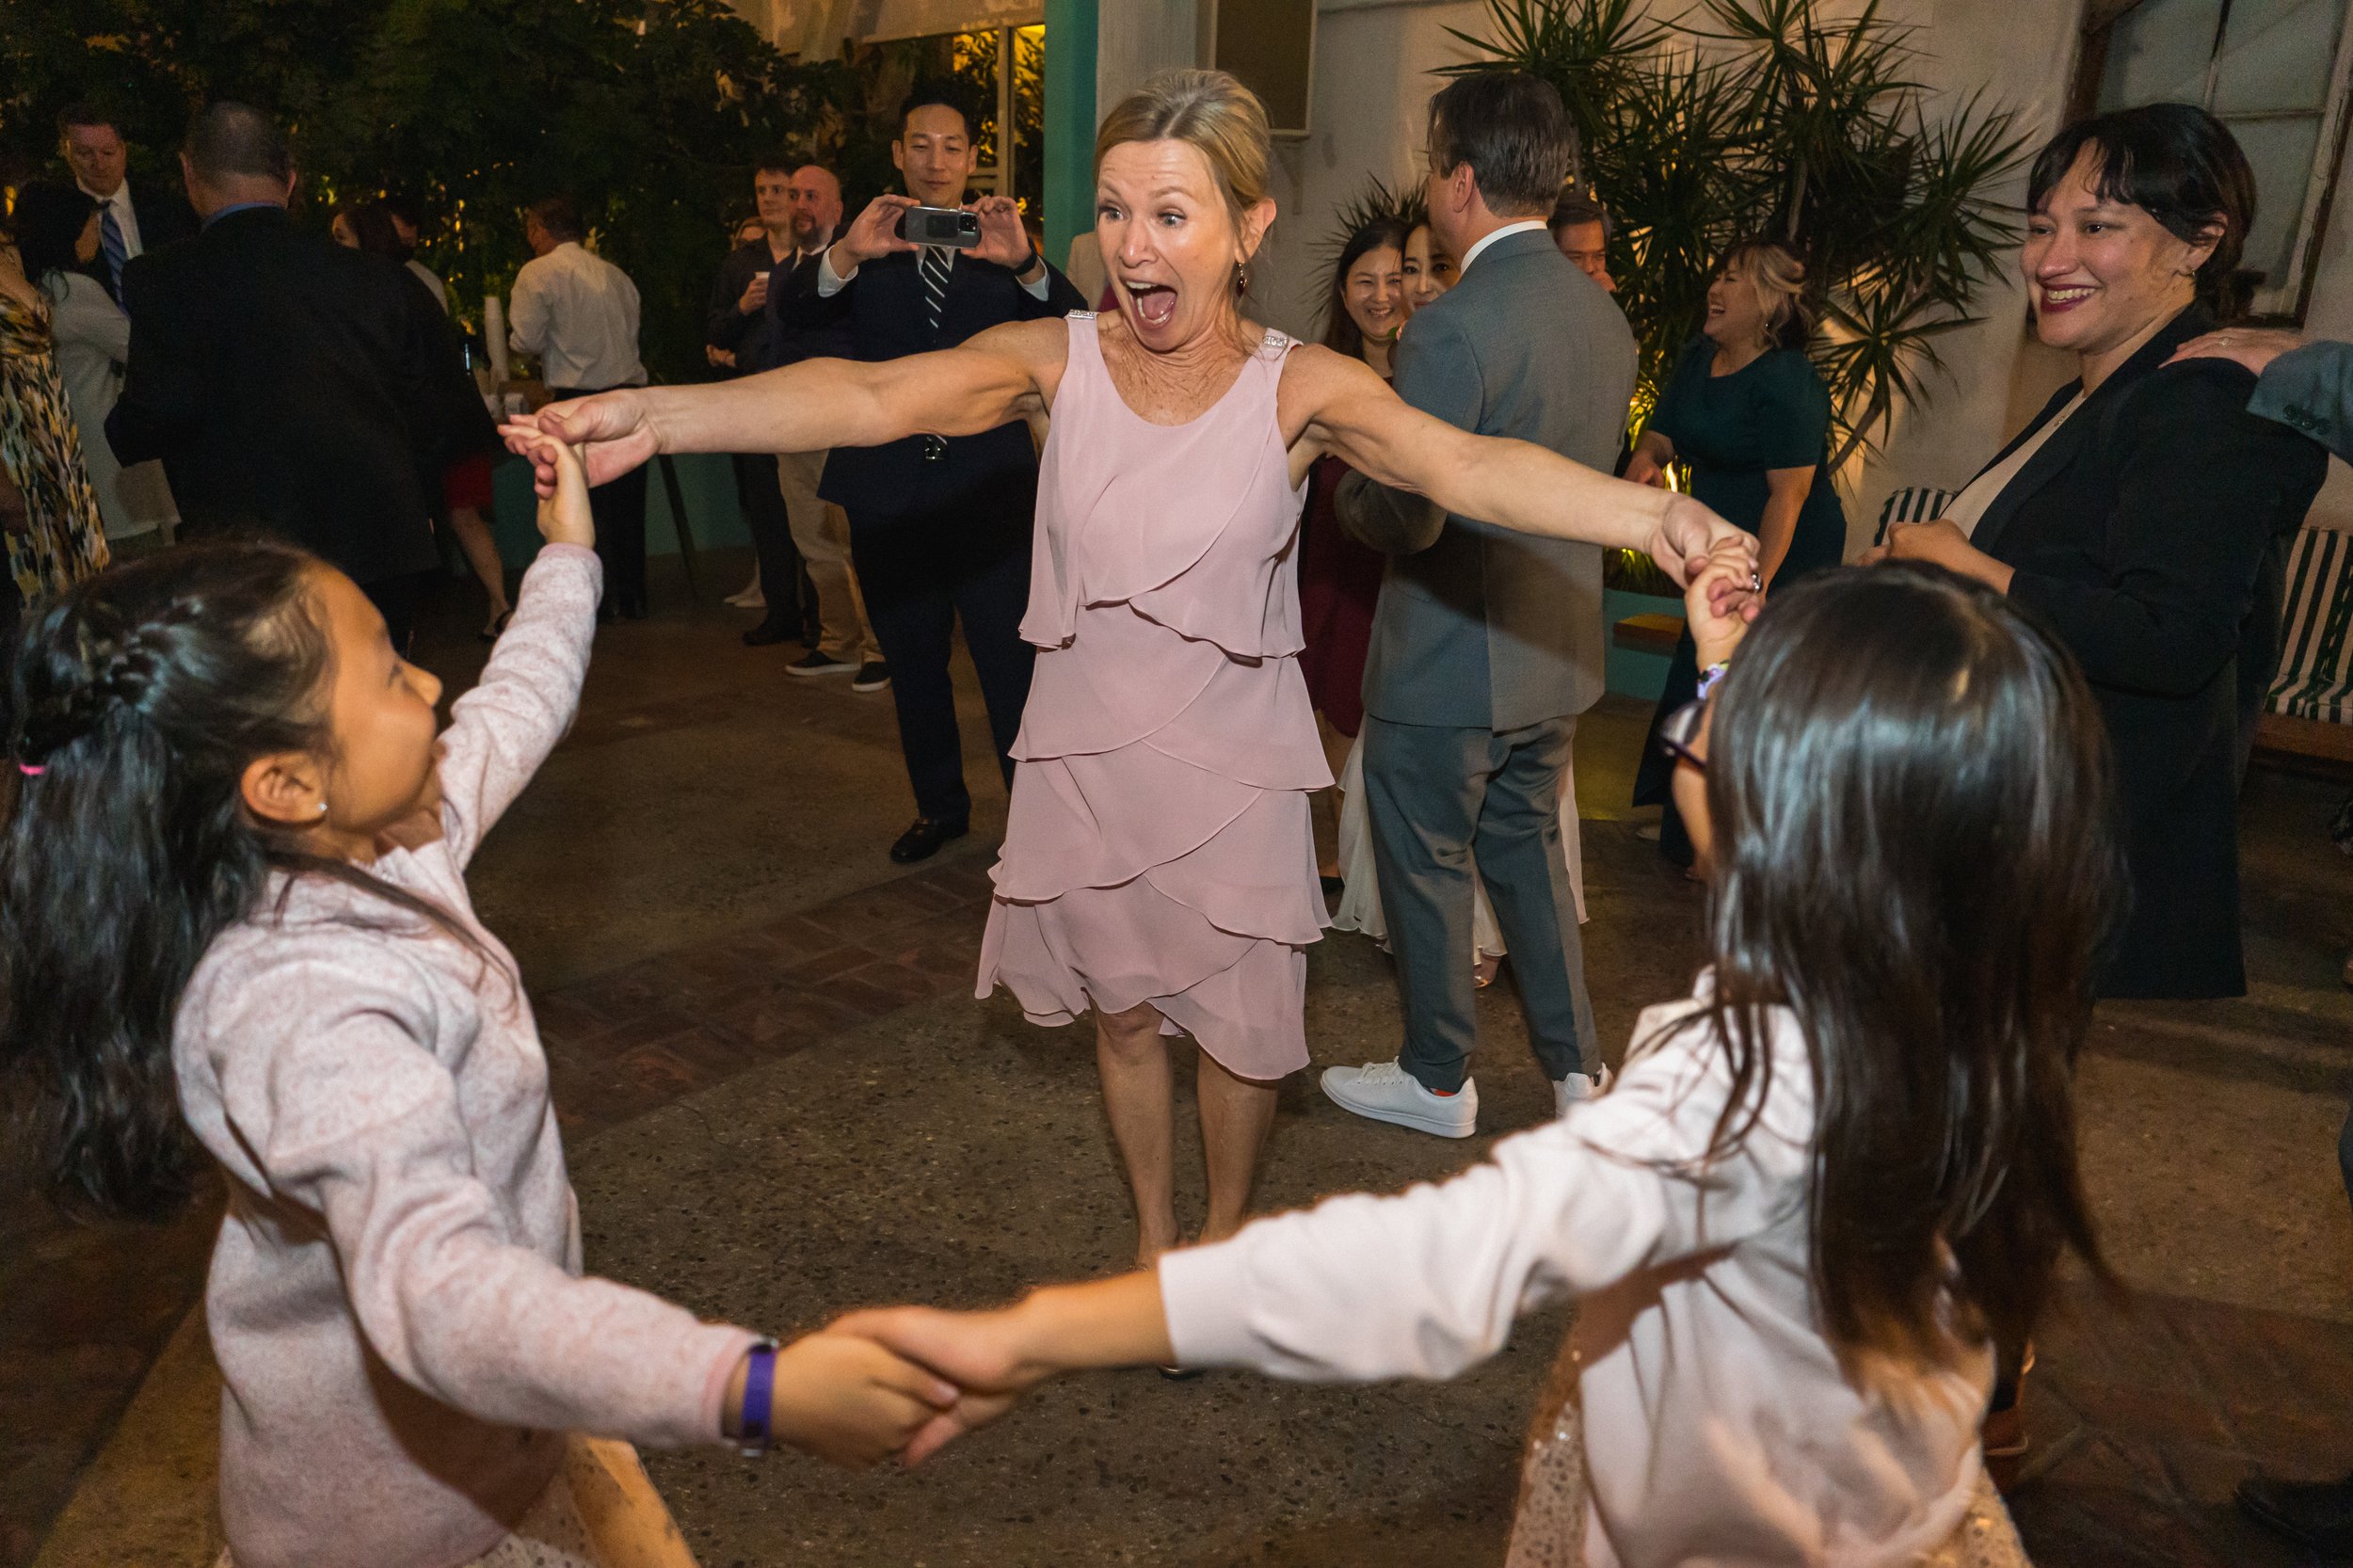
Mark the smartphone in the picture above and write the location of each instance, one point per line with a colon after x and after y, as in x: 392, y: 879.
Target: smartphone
x: 950, y: 226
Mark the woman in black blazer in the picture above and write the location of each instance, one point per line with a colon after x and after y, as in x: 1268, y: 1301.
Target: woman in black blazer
x: 2146, y: 514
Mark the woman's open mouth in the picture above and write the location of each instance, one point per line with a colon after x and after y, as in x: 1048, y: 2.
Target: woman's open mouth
x: 1155, y: 303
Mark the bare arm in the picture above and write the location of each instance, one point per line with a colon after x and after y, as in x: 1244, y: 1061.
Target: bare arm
x: 1785, y: 490
x: 1004, y: 374
x: 1513, y: 484
x: 1653, y: 452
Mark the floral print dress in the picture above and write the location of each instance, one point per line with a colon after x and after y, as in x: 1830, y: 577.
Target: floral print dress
x: 64, y: 539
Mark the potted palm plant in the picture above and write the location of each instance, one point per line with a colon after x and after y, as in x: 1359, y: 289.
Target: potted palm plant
x: 1761, y: 117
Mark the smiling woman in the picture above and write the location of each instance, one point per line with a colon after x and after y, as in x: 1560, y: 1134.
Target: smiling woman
x: 2145, y: 512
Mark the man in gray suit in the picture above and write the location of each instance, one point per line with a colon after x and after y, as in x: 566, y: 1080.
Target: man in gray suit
x: 1487, y: 644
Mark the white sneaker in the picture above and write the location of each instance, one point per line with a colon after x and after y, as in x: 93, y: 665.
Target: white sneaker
x: 1385, y: 1091
x: 1577, y: 1086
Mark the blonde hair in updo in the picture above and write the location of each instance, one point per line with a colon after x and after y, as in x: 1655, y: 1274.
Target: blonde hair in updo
x: 1777, y: 274
x: 1208, y: 110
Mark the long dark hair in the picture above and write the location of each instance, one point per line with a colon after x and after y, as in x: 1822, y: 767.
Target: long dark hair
x: 1340, y: 331
x: 372, y: 226
x: 2178, y: 164
x: 1909, y: 787
x: 49, y: 223
x: 140, y: 697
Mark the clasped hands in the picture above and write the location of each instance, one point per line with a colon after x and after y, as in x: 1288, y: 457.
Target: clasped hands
x: 899, y: 1381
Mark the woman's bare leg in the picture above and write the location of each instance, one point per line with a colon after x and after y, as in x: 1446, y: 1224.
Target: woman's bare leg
x: 1133, y: 1059
x: 1235, y: 1115
x: 482, y: 554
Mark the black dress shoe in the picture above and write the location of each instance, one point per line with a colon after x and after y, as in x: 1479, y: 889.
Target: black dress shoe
x: 922, y: 841
x: 2316, y: 1514
x: 770, y: 632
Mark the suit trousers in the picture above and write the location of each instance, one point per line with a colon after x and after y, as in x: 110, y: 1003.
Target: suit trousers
x: 782, y: 583
x: 1439, y: 797
x: 923, y: 573
x: 821, y: 532
x: 618, y: 506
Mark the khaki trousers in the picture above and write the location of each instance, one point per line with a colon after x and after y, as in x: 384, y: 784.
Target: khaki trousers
x: 821, y: 532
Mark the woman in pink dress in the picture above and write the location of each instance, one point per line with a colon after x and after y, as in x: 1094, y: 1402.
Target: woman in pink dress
x: 1158, y: 868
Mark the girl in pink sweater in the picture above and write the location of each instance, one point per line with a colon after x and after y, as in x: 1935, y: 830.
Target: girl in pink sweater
x: 235, y: 872
x: 1824, y: 1185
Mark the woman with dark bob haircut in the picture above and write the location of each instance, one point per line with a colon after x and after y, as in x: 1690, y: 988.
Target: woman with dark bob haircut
x: 2145, y: 513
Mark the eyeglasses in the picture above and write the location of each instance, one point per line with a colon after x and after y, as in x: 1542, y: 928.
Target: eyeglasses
x: 1679, y: 733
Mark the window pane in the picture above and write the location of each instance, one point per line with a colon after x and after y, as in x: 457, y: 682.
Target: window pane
x: 2157, y: 52
x: 2274, y: 55
x: 2281, y: 153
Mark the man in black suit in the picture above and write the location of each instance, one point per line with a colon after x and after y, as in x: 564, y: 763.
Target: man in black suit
x: 287, y: 383
x: 130, y: 223
x: 736, y: 334
x: 939, y: 528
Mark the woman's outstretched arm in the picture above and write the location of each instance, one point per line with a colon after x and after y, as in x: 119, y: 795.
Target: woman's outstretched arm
x: 1513, y: 483
x: 1001, y: 375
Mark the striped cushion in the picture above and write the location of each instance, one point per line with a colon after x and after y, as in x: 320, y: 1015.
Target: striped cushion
x: 2315, y: 679
x: 1912, y: 503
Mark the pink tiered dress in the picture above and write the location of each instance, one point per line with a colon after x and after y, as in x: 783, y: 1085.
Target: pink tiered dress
x: 1157, y: 848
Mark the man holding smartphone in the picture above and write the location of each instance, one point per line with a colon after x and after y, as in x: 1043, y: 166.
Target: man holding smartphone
x: 939, y: 528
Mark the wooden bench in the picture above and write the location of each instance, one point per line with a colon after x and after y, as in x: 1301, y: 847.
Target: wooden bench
x: 1648, y: 633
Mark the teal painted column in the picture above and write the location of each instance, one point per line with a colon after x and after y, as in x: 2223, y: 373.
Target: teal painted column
x: 1069, y: 123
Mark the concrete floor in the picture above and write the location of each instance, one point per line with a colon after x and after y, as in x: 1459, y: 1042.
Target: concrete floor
x: 780, y: 1100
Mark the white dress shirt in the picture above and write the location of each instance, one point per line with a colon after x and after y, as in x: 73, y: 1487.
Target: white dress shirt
x: 1522, y: 227
x: 1720, y: 1426
x: 578, y: 313
x: 126, y: 219
x: 93, y: 338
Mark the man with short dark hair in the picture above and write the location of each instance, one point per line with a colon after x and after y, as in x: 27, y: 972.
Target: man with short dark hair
x: 128, y: 224
x: 288, y: 383
x: 578, y: 313
x: 1486, y: 645
x: 1580, y: 227
x: 939, y: 527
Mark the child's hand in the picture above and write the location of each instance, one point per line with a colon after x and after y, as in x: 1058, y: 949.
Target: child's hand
x: 979, y: 1351
x: 849, y: 1401
x: 1721, y: 601
x: 563, y: 515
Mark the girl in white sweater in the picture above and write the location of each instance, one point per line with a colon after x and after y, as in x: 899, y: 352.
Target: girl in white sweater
x: 235, y: 875
x: 1823, y: 1185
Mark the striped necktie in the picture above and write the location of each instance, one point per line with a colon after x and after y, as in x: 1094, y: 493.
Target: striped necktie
x: 934, y: 266
x: 110, y: 244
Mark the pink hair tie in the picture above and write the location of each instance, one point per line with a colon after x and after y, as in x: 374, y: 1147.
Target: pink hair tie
x: 30, y: 770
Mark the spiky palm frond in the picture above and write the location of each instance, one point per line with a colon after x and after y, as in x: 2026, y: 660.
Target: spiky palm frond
x: 1591, y: 52
x: 1772, y: 117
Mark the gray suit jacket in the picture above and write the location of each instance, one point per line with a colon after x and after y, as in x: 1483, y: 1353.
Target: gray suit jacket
x: 2310, y: 390
x: 1480, y: 627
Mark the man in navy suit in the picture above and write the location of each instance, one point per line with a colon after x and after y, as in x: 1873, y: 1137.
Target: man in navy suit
x: 939, y: 528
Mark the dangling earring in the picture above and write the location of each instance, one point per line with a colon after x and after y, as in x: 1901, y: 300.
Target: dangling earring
x: 1242, y: 278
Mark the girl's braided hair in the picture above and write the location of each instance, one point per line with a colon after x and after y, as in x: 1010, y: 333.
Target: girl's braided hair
x: 140, y: 697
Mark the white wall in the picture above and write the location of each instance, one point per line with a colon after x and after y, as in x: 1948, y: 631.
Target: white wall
x: 1374, y: 59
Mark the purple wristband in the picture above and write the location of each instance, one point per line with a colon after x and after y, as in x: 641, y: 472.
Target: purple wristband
x: 759, y: 1386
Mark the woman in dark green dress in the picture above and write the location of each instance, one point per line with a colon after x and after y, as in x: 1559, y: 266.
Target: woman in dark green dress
x: 1747, y: 411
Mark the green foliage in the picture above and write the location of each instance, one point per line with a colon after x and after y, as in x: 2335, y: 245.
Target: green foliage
x: 650, y: 114
x: 1763, y: 118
